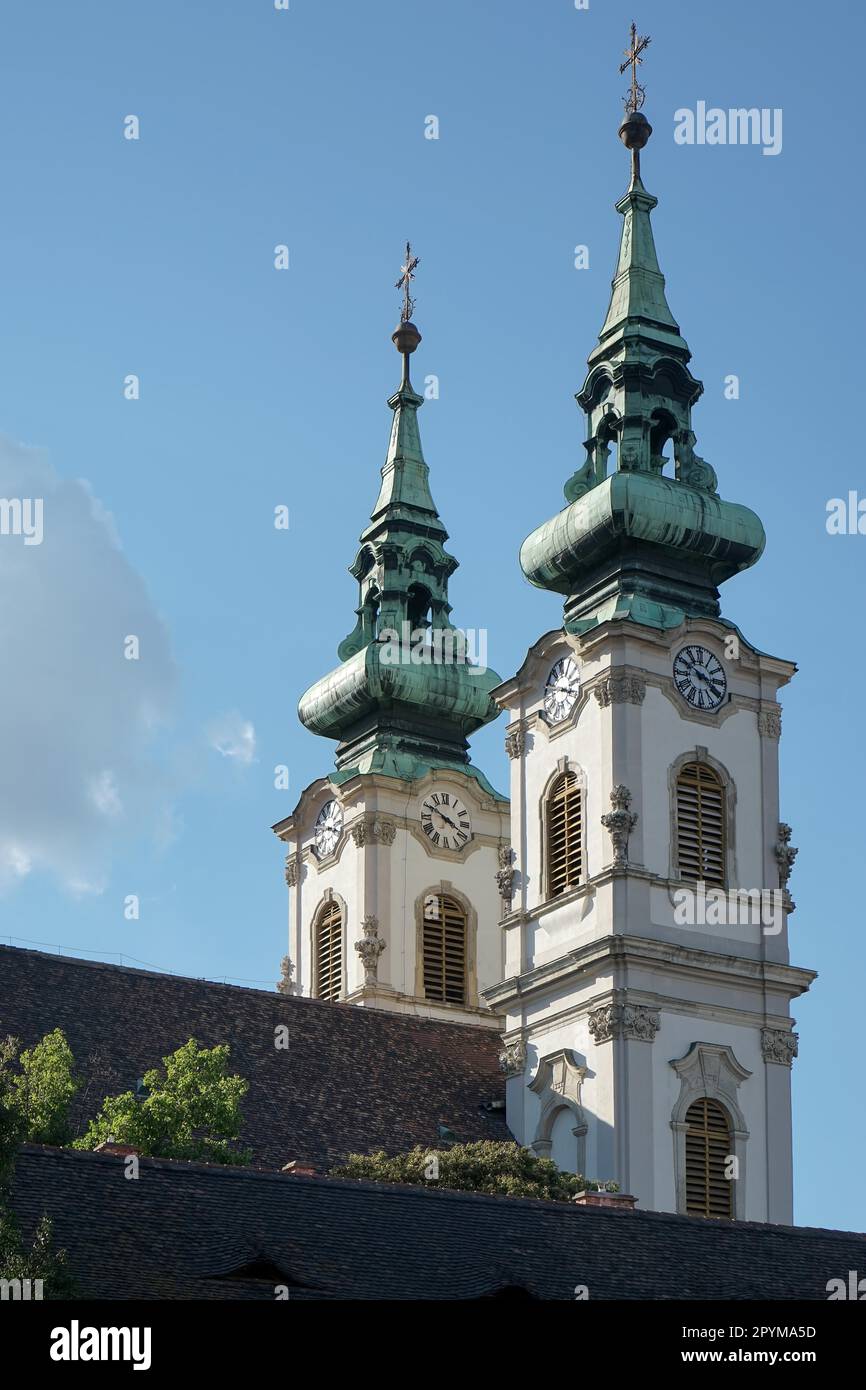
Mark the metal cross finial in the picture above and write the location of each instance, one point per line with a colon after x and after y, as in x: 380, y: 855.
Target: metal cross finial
x: 635, y: 96
x: 407, y: 275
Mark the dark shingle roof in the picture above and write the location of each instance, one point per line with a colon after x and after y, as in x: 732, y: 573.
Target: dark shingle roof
x: 191, y: 1231
x: 352, y: 1079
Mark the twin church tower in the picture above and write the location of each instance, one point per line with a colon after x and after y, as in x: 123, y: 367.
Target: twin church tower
x: 622, y: 918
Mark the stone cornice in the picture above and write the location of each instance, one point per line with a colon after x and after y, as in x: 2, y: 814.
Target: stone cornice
x: 532, y: 665
x: 605, y: 634
x: 612, y: 952
x: 726, y: 1014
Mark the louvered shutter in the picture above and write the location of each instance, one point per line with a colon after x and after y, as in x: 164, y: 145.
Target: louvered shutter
x: 708, y: 1146
x: 701, y: 825
x: 444, y: 948
x: 564, y: 835
x: 329, y: 953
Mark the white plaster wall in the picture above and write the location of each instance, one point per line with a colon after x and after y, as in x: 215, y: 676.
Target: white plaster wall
x: 387, y: 880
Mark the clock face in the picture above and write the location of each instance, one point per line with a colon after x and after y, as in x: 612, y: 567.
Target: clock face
x: 699, y: 677
x: 562, y: 689
x: 329, y: 828
x: 445, y: 821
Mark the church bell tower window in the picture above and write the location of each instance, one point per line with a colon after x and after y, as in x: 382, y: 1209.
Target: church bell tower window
x: 701, y: 811
x: 708, y: 1146
x: 329, y: 952
x: 564, y: 835
x: 444, y: 938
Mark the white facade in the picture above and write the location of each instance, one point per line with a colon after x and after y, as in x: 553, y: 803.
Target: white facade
x: 618, y: 1015
x: 380, y: 872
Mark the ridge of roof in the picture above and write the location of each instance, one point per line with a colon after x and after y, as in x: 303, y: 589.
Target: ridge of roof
x: 180, y: 1166
x: 272, y: 994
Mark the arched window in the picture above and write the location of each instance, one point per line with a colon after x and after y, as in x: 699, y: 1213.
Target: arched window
x: 701, y: 839
x: 328, y: 952
x: 564, y: 834
x: 418, y: 606
x: 444, y: 948
x: 708, y: 1146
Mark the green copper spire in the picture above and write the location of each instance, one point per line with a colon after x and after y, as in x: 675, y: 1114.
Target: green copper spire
x: 406, y: 695
x: 644, y: 537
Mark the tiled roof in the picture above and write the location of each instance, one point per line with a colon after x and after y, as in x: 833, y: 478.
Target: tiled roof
x: 191, y: 1231
x: 352, y: 1079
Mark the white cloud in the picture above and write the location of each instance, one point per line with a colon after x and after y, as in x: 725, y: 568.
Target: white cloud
x: 77, y: 718
x: 104, y: 794
x: 233, y: 737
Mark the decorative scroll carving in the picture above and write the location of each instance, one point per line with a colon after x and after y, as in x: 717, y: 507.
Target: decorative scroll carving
x: 770, y: 723
x: 620, y: 690
x: 512, y: 1058
x: 505, y: 873
x: 371, y: 830
x: 515, y: 743
x: 620, y: 822
x: 285, y: 984
x: 293, y: 869
x: 370, y: 948
x: 779, y: 1045
x: 785, y: 854
x: 620, y: 1019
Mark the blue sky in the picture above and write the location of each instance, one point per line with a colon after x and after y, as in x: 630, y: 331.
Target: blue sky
x: 261, y: 388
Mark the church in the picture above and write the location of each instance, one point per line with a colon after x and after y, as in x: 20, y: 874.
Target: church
x: 641, y: 1043
x: 594, y: 965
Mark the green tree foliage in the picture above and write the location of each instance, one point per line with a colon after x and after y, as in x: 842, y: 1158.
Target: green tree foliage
x: 502, y: 1169
x: 39, y: 1262
x: 45, y: 1089
x: 190, y: 1110
x: 13, y: 1124
x: 42, y: 1085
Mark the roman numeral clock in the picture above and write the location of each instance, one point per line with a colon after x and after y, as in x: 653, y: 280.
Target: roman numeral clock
x: 700, y: 678
x: 445, y: 821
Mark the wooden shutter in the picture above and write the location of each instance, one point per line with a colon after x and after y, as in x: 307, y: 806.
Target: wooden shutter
x: 329, y: 953
x: 564, y: 834
x: 708, y: 1146
x: 444, y: 949
x: 701, y: 825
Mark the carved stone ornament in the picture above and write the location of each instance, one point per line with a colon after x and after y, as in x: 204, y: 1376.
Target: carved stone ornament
x: 370, y: 948
x: 785, y: 854
x: 620, y: 690
x: 779, y: 1045
x: 620, y: 822
x: 515, y: 742
x: 285, y: 984
x: 512, y: 1058
x: 558, y: 1083
x: 505, y: 873
x: 372, y: 830
x: 293, y: 869
x: 619, y: 1019
x: 770, y: 723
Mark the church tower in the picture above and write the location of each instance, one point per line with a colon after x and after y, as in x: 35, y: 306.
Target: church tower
x: 647, y: 982
x: 392, y: 859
